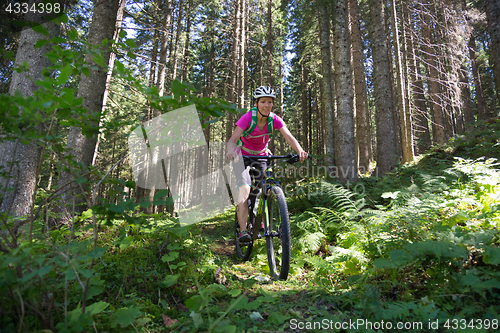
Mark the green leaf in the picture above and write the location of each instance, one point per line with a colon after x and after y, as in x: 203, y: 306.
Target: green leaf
x: 41, y: 43
x: 145, y: 204
x: 40, y: 29
x: 437, y: 248
x: 253, y: 305
x: 81, y: 180
x: 170, y: 280
x: 249, y: 282
x: 400, y: 257
x: 161, y: 194
x: 123, y: 33
x: 177, y: 89
x: 85, y: 71
x: 61, y: 19
x: 64, y: 74
x: 171, y: 256
x: 239, y: 303
x: 97, y: 252
x: 96, y: 308
x: 277, y: 318
x: 130, y: 43
x: 384, y: 263
x: 57, y: 40
x: 44, y: 270
x: 196, y: 302
x: 72, y: 34
x: 492, y: 255
x: 470, y: 280
x: 197, y: 319
x: 457, y: 218
x: 125, y: 243
x: 126, y: 316
x: 234, y: 292
x: 47, y: 83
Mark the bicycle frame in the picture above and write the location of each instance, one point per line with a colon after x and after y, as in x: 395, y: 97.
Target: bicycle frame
x: 266, y: 183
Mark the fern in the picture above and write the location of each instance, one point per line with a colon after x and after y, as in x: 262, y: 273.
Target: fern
x: 397, y: 310
x: 310, y: 234
x: 342, y: 199
x: 310, y: 242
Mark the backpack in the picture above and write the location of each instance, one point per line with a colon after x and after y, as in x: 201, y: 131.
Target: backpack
x: 253, y: 124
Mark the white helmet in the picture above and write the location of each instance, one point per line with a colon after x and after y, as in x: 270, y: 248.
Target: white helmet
x: 264, y: 91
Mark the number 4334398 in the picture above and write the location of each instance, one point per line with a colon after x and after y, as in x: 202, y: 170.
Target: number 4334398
x: 39, y: 7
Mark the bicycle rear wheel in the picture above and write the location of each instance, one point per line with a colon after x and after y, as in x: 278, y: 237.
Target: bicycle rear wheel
x: 243, y: 250
x: 277, y: 234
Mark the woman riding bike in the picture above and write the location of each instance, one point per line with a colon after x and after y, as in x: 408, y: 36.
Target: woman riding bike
x: 254, y: 143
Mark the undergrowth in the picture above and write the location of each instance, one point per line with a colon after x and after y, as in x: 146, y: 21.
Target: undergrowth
x: 420, y: 246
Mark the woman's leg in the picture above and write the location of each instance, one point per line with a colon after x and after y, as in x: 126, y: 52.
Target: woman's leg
x: 242, y: 207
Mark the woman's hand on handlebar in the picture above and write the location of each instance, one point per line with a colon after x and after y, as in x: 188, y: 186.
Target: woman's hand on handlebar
x: 303, y: 155
x: 233, y: 156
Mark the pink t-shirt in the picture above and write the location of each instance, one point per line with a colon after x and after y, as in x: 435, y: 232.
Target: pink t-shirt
x: 259, y: 143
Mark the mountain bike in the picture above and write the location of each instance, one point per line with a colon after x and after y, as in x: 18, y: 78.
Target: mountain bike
x: 267, y: 204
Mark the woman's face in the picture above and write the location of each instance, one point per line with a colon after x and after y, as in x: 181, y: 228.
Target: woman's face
x: 265, y: 105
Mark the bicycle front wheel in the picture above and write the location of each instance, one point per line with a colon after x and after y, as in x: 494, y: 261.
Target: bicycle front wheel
x: 277, y: 234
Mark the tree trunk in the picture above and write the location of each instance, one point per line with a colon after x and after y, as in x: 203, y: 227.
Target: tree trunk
x: 18, y: 160
x: 270, y: 81
x: 178, y: 31
x: 241, y: 67
x: 91, y: 89
x: 387, y: 154
x: 478, y: 87
x: 305, y: 106
x: 344, y: 122
x: 327, y: 91
x: 235, y: 57
x: 493, y: 16
x: 404, y: 114
x: 361, y: 115
x: 438, y: 128
x: 109, y: 74
x: 185, y: 57
x: 416, y: 89
x: 162, y: 66
x: 281, y: 114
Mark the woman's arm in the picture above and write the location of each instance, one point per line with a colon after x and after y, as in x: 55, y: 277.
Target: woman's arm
x: 293, y: 143
x: 231, y: 145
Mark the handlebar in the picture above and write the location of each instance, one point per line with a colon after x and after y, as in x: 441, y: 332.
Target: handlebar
x: 291, y: 158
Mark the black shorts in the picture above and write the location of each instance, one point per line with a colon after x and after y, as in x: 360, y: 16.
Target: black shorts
x: 245, y: 177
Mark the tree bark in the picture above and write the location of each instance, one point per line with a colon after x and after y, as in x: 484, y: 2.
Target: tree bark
x: 21, y: 161
x: 492, y: 8
x: 438, y: 128
x: 361, y: 115
x: 162, y: 66
x: 387, y: 154
x: 235, y: 57
x: 91, y: 89
x: 478, y: 86
x: 344, y: 122
x: 404, y: 114
x: 186, y: 53
x: 270, y: 81
x: 327, y: 82
x: 305, y: 105
x: 178, y: 31
x: 418, y: 107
